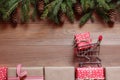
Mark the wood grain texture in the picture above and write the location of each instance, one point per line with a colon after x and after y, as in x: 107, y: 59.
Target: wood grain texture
x: 51, y: 45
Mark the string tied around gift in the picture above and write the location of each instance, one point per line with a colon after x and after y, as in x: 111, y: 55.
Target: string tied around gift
x: 20, y: 73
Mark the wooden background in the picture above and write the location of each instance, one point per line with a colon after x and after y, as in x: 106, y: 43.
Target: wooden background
x: 46, y: 44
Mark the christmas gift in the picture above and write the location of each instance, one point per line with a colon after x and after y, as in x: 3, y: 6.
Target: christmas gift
x: 3, y: 73
x: 82, y: 39
x: 25, y: 73
x: 59, y: 73
x: 90, y: 73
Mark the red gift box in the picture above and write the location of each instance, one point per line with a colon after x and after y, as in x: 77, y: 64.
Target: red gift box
x: 3, y: 73
x: 82, y: 39
x: 90, y: 73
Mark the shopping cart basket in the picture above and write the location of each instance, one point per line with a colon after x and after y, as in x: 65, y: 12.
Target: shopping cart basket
x: 85, y: 51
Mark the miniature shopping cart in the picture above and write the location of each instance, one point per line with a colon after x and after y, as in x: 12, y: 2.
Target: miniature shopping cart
x: 87, y: 52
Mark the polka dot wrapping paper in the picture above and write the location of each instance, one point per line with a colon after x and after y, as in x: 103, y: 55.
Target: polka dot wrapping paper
x: 82, y: 39
x: 3, y: 73
x: 90, y: 73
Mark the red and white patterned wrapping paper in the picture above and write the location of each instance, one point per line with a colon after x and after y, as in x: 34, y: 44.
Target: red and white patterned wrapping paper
x: 90, y: 73
x: 82, y: 39
x: 3, y: 73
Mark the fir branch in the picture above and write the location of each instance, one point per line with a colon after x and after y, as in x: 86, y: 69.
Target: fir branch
x: 85, y: 4
x: 103, y: 4
x: 57, y: 7
x: 2, y: 2
x: 34, y: 13
x: 48, y: 9
x: 70, y: 15
x: 103, y: 14
x: 45, y: 14
x: 25, y: 8
x: 73, y: 1
x: 46, y: 1
x: 108, y: 1
x: 9, y: 7
x: 63, y: 7
x: 85, y: 18
x: 70, y: 12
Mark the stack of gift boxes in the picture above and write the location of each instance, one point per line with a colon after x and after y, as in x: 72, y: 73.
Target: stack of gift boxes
x: 86, y: 55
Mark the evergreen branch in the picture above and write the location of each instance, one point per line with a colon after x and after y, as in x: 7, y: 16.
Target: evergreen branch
x: 46, y: 1
x: 70, y: 15
x: 85, y: 5
x: 85, y: 18
x: 69, y: 3
x: 45, y: 14
x: 25, y: 8
x: 54, y: 18
x: 103, y: 4
x: 48, y: 9
x: 34, y: 14
x: 33, y: 2
x: 73, y: 1
x: 57, y: 7
x: 2, y: 2
x: 51, y: 11
x: 10, y: 8
x: 70, y: 12
x: 63, y: 7
x: 103, y: 15
x: 108, y: 1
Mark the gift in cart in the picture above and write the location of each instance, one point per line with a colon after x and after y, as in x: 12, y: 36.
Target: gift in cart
x: 86, y: 51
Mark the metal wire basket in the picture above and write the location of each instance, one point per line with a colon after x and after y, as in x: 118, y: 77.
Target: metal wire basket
x: 88, y: 54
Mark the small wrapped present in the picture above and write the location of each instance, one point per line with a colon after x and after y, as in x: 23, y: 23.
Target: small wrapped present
x: 112, y: 73
x: 3, y: 73
x: 59, y: 73
x: 90, y: 73
x: 25, y: 73
x: 82, y: 39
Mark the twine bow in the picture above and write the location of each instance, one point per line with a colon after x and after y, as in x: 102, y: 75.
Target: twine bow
x: 20, y: 73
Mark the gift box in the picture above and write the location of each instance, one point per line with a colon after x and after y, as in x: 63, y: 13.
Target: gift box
x: 112, y: 73
x: 90, y: 73
x: 82, y: 39
x: 25, y: 73
x: 3, y: 73
x: 59, y: 73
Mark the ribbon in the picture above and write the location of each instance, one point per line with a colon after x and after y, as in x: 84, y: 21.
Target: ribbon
x: 20, y: 73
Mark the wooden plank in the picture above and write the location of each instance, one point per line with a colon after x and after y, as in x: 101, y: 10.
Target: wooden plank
x: 51, y: 45
x: 36, y: 55
x: 43, y: 34
x: 51, y: 55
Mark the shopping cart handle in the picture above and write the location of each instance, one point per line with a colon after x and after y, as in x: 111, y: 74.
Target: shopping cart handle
x: 100, y: 38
